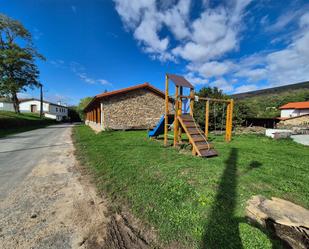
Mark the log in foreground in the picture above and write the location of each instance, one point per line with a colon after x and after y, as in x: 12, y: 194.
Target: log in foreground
x: 286, y: 220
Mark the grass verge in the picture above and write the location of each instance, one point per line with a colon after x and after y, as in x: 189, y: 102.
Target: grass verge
x: 11, y: 123
x: 198, y: 202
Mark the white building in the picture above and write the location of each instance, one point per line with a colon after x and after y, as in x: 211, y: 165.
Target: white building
x: 294, y: 109
x: 6, y: 104
x: 50, y: 110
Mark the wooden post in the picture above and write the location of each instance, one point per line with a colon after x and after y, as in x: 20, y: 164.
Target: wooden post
x: 231, y: 119
x: 193, y: 151
x: 179, y: 113
x: 176, y: 122
x: 227, y: 122
x: 191, y: 101
x: 166, y: 111
x: 99, y: 114
x: 206, y: 118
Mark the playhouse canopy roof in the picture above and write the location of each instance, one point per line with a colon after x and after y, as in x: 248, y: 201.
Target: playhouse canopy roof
x: 296, y: 105
x: 180, y: 81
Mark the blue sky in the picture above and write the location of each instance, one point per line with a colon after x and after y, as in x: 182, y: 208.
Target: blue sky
x: 236, y: 45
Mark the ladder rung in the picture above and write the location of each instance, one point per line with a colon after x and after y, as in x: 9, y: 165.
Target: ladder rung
x: 193, y: 131
x: 204, y: 146
x: 198, y: 139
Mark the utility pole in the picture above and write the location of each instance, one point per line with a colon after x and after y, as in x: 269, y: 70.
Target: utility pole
x: 41, y: 98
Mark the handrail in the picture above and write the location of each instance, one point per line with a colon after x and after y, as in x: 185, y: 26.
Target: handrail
x: 202, y: 134
x: 205, y: 98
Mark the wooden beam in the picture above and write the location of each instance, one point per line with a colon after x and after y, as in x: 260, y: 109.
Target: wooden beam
x: 166, y: 111
x: 206, y: 118
x: 215, y: 100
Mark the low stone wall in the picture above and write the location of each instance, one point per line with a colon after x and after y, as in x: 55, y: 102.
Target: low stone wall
x: 96, y: 127
x: 297, y: 121
x: 140, y: 109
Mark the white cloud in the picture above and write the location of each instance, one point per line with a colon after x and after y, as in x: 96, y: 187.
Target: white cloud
x: 222, y: 84
x: 131, y: 11
x: 212, y: 68
x: 210, y: 35
x: 304, y: 20
x: 147, y: 33
x: 284, y: 20
x: 166, y: 31
x: 58, y: 63
x: 245, y: 88
x: 195, y: 80
x: 37, y: 34
x: 24, y: 95
x: 176, y: 19
x: 79, y: 71
x: 213, y: 34
x: 252, y: 74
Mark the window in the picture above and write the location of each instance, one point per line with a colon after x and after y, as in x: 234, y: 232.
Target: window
x: 56, y: 109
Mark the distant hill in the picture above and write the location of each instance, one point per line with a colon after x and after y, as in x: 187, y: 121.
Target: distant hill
x: 265, y: 103
x: 274, y: 90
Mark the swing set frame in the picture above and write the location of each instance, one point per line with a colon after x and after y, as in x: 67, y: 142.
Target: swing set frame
x: 229, y: 116
x: 178, y: 109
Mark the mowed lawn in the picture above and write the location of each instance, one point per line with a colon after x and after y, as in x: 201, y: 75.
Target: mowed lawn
x: 194, y: 202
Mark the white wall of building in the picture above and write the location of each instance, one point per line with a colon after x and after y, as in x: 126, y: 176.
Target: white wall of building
x: 26, y: 106
x: 288, y: 113
x: 50, y: 110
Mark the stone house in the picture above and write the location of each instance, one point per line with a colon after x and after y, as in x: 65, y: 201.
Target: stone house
x: 294, y: 114
x: 136, y: 107
x: 294, y: 109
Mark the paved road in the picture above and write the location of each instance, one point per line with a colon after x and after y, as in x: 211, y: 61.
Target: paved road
x: 301, y: 139
x: 20, y: 153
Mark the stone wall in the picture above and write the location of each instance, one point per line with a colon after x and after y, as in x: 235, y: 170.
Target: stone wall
x: 299, y: 121
x: 140, y: 109
x: 93, y: 125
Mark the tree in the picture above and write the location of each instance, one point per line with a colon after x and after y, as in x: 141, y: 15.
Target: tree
x: 81, y: 106
x: 18, y: 70
x: 217, y: 110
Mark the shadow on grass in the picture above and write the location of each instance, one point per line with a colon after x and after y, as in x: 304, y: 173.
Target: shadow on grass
x: 222, y: 229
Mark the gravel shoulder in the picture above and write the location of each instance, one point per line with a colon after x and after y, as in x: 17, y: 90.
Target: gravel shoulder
x: 54, y: 206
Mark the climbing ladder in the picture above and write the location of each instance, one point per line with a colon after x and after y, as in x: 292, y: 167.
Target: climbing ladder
x: 200, y: 145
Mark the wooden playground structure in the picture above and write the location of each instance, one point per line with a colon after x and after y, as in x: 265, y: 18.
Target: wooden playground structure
x: 185, y: 121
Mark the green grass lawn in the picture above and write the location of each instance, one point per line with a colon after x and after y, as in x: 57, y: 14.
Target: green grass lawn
x: 198, y: 202
x: 11, y: 122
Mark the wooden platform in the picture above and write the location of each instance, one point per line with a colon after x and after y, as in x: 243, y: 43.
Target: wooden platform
x: 196, y: 137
